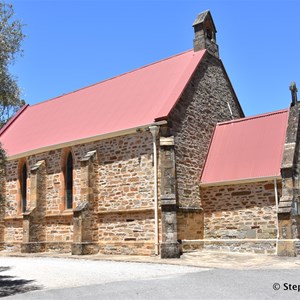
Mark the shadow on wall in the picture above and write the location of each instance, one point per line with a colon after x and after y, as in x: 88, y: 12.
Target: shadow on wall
x: 11, y: 286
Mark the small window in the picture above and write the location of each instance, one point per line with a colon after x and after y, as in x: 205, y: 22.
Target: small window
x: 69, y: 182
x: 23, y: 185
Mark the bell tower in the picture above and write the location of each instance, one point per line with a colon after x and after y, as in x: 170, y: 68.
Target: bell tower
x: 205, y: 34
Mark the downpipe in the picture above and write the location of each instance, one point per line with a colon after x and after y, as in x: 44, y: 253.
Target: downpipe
x: 154, y: 131
x: 277, y: 223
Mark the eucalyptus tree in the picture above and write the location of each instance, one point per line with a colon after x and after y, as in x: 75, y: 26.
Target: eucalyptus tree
x: 11, y: 37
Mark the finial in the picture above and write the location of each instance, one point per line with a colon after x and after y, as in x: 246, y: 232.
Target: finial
x: 294, y: 90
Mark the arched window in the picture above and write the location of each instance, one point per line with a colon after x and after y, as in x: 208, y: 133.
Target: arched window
x: 23, y: 185
x: 69, y: 181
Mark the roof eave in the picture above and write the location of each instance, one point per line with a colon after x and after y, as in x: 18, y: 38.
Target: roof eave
x: 240, y: 181
x: 85, y: 140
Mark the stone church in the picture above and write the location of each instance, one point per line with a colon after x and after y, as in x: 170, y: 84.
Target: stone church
x: 155, y: 161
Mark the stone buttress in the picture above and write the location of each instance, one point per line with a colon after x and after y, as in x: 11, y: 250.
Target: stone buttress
x: 288, y: 218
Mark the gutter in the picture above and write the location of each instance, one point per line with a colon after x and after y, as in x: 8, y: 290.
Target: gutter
x: 239, y: 181
x: 277, y: 223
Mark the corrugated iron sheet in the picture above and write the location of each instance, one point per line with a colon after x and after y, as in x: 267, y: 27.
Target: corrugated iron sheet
x: 246, y: 149
x: 133, y: 99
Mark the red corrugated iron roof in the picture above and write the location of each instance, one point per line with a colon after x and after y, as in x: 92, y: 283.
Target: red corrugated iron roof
x: 127, y: 101
x: 249, y: 148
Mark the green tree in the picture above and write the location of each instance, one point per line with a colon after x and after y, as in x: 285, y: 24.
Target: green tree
x: 11, y: 37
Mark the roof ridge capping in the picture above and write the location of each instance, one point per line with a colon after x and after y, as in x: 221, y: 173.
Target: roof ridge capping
x: 254, y: 117
x: 114, y: 77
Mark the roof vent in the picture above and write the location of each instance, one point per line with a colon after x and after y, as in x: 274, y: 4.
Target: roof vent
x: 294, y: 90
x: 205, y: 34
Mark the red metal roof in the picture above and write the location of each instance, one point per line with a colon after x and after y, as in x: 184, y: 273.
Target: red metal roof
x: 248, y: 148
x: 130, y: 100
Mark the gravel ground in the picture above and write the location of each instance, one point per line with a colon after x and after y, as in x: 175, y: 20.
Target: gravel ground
x: 213, y: 276
x: 53, y: 273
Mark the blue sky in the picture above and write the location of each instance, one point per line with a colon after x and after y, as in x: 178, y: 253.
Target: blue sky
x: 74, y: 43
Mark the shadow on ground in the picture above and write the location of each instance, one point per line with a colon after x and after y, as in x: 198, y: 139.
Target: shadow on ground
x: 9, y: 285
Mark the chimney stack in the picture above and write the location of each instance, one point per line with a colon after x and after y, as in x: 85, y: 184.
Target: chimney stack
x: 294, y: 90
x: 205, y: 34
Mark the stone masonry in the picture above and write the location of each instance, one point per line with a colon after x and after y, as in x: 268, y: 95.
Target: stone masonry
x: 117, y: 185
x: 203, y: 104
x: 241, y: 217
x: 113, y: 183
x: 2, y: 206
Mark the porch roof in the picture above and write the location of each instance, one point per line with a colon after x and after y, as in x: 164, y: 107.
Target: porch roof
x: 246, y: 149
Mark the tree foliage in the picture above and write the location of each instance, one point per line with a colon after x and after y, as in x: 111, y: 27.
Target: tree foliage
x: 11, y: 37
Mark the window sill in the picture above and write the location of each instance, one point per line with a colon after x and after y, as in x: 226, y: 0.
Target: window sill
x: 17, y: 217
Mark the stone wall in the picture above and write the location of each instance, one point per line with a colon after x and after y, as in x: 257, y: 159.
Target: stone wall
x: 12, y: 191
x: 240, y: 217
x: 13, y: 230
x: 125, y: 197
x: 204, y: 103
x: 125, y: 178
x: 2, y: 207
x: 135, y: 226
x: 118, y: 187
x: 120, y: 231
x: 59, y: 228
x: 190, y: 227
x: 59, y: 232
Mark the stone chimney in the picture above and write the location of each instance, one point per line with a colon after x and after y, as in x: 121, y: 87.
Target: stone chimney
x: 205, y: 34
x: 294, y: 90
